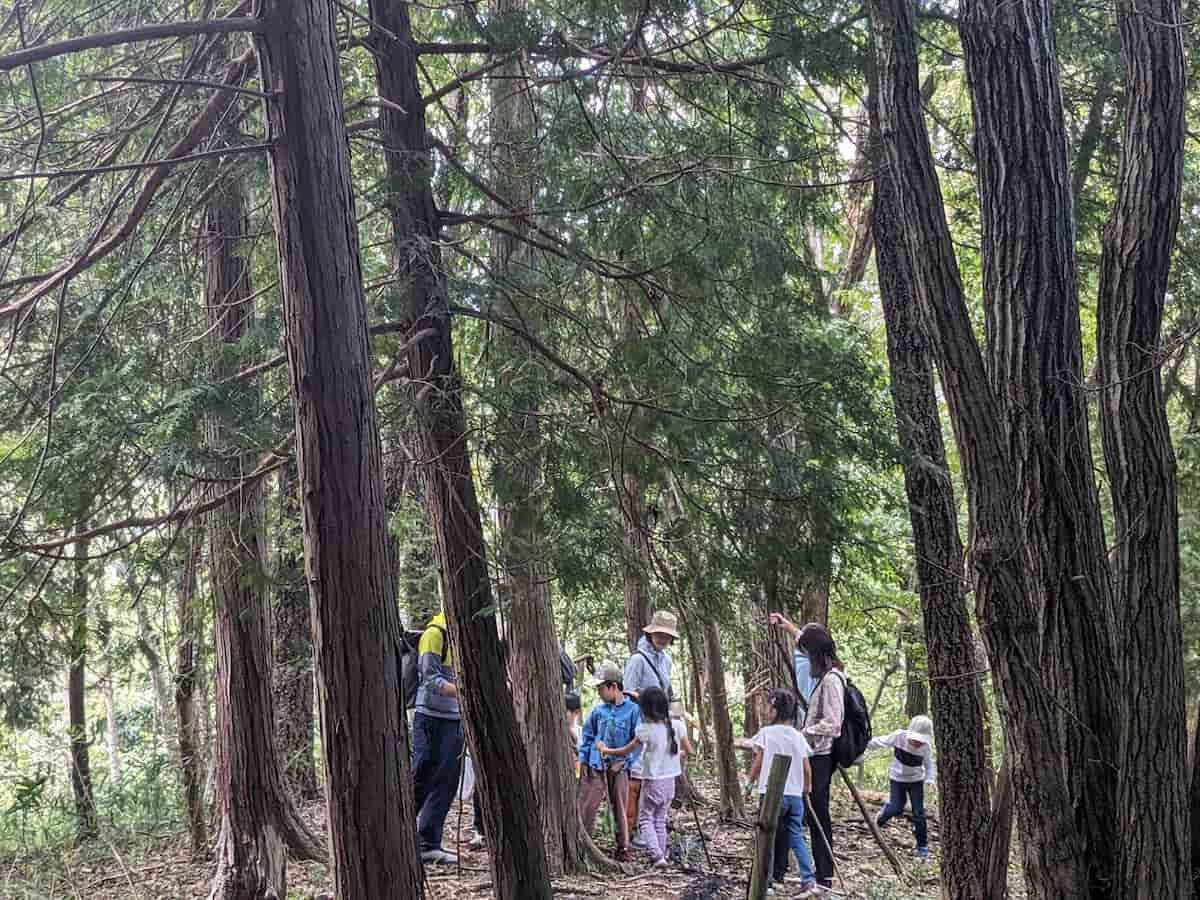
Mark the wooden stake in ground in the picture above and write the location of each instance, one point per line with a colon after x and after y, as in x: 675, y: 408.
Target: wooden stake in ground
x: 764, y: 830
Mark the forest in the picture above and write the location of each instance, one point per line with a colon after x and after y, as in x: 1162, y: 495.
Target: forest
x: 612, y: 449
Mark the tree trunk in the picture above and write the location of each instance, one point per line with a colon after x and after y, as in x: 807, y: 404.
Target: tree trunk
x: 1194, y: 798
x: 439, y: 443
x: 111, y: 741
x: 731, y: 795
x: 81, y: 769
x: 185, y: 693
x: 518, y: 464
x: 637, y: 555
x: 1035, y: 359
x: 258, y: 819
x: 1010, y: 598
x: 957, y: 700
x: 148, y: 644
x: 356, y: 629
x: 293, y: 654
x: 1152, y: 809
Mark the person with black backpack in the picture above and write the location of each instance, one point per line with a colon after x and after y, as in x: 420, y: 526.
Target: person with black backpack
x: 823, y: 721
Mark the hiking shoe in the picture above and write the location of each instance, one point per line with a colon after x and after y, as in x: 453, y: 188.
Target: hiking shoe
x: 923, y: 854
x: 809, y: 889
x: 478, y: 842
x: 661, y: 863
x: 638, y: 844
x: 438, y: 856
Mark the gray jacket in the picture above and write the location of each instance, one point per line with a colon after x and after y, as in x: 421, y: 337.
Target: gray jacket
x: 433, y: 663
x: 641, y: 673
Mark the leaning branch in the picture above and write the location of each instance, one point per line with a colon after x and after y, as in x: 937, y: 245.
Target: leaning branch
x: 199, y: 130
x: 128, y: 36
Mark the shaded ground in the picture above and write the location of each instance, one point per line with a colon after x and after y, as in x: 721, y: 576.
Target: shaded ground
x: 166, y: 870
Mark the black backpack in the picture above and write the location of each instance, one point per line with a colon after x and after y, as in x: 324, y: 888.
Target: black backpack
x: 856, y: 726
x: 410, y: 659
x: 567, y: 665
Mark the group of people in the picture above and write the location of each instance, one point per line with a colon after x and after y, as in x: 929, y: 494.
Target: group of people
x: 805, y: 727
x: 632, y: 745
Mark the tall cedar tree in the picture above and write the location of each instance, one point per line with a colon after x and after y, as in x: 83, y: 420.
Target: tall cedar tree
x: 356, y: 629
x: 958, y: 711
x: 1008, y: 593
x: 258, y: 819
x: 519, y: 464
x: 439, y: 443
x: 1046, y: 605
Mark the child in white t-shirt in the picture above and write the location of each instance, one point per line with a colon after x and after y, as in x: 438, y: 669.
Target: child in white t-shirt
x: 781, y: 738
x: 662, y: 739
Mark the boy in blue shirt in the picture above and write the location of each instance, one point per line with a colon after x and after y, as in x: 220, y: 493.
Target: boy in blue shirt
x: 614, y: 722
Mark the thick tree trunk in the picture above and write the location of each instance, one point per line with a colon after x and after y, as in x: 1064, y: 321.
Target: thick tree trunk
x: 731, y: 795
x: 1035, y: 362
x: 185, y: 693
x: 957, y: 699
x: 356, y: 629
x: 1194, y: 803
x: 439, y: 443
x: 1010, y: 597
x: 258, y: 820
x: 1152, y: 810
x: 293, y: 655
x: 81, y: 769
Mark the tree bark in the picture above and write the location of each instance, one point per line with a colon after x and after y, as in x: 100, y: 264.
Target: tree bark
x: 148, y: 644
x: 439, y: 444
x: 356, y: 629
x: 81, y: 769
x: 731, y: 794
x: 1010, y: 597
x: 637, y: 554
x: 1194, y: 802
x: 293, y: 652
x: 957, y: 699
x: 258, y: 820
x: 1035, y: 363
x: 185, y: 693
x: 1152, y: 811
x: 518, y: 467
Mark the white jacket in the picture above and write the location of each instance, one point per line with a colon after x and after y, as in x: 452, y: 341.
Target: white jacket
x: 899, y: 771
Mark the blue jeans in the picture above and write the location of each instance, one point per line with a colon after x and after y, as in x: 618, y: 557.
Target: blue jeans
x: 789, y: 835
x: 436, y: 765
x: 903, y: 792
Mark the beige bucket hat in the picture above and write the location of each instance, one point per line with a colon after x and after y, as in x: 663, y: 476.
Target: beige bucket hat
x: 663, y: 622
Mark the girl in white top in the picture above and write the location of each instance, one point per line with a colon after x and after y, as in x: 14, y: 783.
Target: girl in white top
x: 912, y: 768
x: 662, y: 739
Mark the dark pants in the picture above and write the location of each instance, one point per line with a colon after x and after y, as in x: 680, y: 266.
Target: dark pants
x: 477, y: 808
x: 436, y: 764
x: 820, y: 825
x: 903, y: 792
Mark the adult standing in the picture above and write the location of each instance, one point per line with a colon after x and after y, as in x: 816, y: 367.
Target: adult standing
x: 649, y: 666
x: 823, y: 720
x: 437, y: 741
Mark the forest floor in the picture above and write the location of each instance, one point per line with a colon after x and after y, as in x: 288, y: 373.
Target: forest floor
x: 166, y: 869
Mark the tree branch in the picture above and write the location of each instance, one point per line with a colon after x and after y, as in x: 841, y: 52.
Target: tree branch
x: 128, y: 36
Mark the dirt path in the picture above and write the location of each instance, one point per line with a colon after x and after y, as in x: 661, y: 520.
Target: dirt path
x: 167, y: 871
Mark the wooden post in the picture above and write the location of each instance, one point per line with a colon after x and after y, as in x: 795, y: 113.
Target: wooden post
x: 887, y: 851
x: 764, y: 830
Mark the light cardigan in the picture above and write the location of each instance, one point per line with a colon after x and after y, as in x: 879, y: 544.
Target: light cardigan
x: 826, y: 710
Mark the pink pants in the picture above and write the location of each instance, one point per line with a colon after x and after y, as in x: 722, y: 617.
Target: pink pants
x: 652, y: 814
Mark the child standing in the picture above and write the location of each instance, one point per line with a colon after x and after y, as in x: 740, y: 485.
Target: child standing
x: 574, y: 711
x: 781, y: 738
x: 912, y: 768
x: 661, y: 740
x: 614, y: 722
